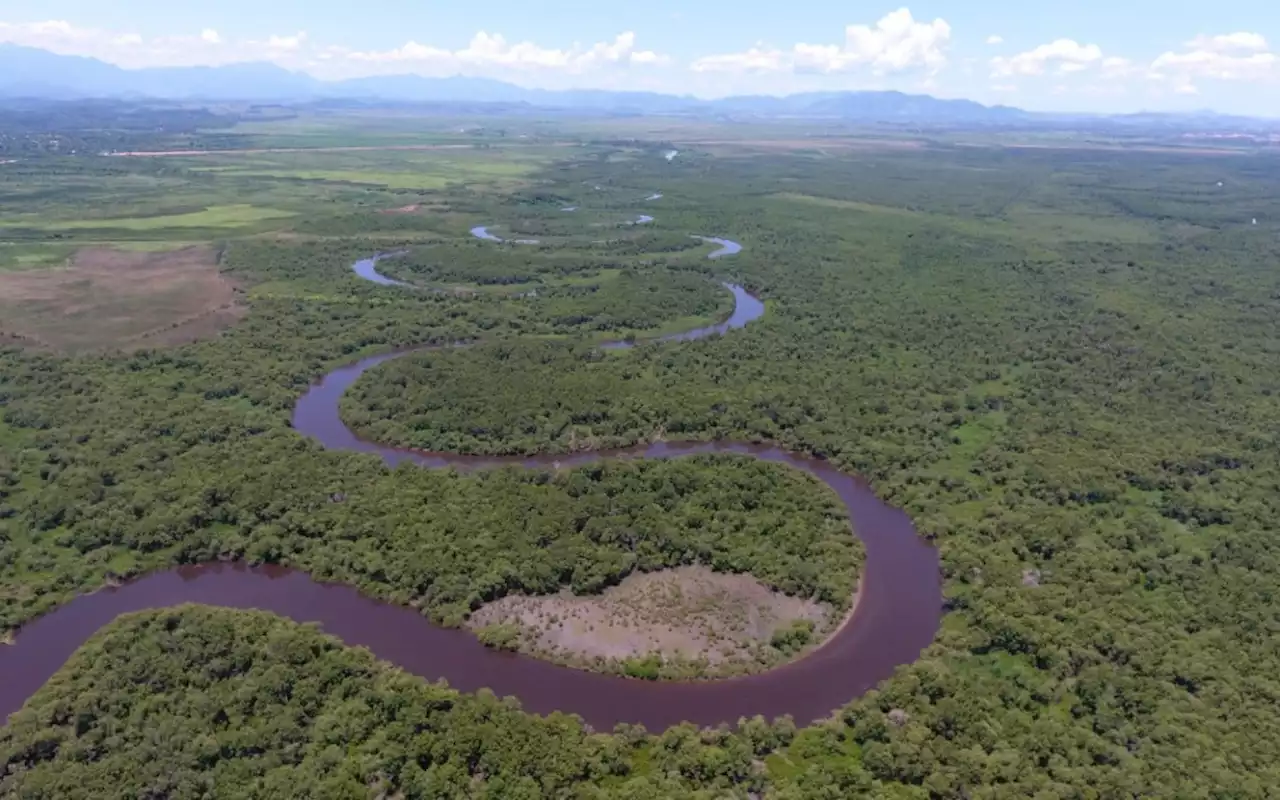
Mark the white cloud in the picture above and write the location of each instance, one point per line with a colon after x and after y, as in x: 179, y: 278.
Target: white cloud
x: 1232, y: 56
x: 289, y: 43
x: 758, y: 58
x: 489, y: 51
x: 897, y: 42
x: 127, y: 49
x: 486, y: 53
x: 1115, y: 66
x: 1067, y: 54
x: 1229, y: 42
x: 898, y: 51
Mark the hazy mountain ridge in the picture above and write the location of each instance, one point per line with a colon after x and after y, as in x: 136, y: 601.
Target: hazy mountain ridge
x: 30, y: 72
x: 27, y: 72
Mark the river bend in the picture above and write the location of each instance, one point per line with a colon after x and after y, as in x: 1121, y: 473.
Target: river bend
x: 896, y: 615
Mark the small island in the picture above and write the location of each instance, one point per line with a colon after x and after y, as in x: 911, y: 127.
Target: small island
x: 682, y: 623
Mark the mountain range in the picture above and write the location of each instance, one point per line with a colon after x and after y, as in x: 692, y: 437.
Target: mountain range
x: 27, y: 72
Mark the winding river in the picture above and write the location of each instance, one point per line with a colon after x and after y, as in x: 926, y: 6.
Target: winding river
x: 896, y: 615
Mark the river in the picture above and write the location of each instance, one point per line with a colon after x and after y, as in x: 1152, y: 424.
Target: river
x: 897, y: 612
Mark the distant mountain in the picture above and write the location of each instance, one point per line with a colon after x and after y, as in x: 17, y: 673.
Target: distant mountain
x: 250, y: 81
x: 27, y: 72
x: 879, y: 106
x: 417, y: 89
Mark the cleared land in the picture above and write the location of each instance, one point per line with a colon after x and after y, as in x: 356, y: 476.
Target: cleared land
x: 688, y: 614
x: 114, y: 299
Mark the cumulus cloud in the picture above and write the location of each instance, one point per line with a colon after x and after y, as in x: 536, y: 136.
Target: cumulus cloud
x: 896, y: 51
x: 1228, y: 42
x: 756, y: 59
x: 1231, y: 56
x: 127, y: 49
x: 895, y: 43
x: 486, y: 50
x: 1066, y: 55
x: 486, y: 53
x: 288, y: 43
x: 1116, y: 67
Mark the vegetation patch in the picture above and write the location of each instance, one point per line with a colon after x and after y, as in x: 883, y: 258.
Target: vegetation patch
x: 113, y: 299
x: 686, y: 622
x: 1044, y: 225
x: 227, y: 688
x: 229, y: 216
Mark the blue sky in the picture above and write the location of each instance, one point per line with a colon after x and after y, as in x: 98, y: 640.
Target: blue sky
x: 1086, y: 55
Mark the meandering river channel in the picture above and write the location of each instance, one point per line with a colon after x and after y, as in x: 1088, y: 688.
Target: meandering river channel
x: 898, y: 608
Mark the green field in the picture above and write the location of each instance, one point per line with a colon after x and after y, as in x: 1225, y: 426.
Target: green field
x: 230, y: 216
x: 141, y: 201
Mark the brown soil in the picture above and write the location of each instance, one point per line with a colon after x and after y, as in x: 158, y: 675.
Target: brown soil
x: 409, y: 209
x: 689, y: 614
x: 114, y: 299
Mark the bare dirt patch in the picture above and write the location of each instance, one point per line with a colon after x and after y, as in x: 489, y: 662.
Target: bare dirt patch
x: 113, y: 299
x: 687, y: 622
x: 409, y: 209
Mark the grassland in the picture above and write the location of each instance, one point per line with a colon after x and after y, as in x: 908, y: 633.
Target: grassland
x: 235, y: 216
x: 53, y: 205
x: 497, y: 168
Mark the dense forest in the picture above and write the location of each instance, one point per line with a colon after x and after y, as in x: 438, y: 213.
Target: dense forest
x: 194, y: 703
x: 1062, y: 364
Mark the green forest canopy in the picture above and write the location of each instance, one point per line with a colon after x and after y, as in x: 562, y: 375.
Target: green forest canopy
x: 1060, y: 363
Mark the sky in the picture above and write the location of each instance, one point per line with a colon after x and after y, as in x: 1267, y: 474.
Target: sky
x: 1086, y: 55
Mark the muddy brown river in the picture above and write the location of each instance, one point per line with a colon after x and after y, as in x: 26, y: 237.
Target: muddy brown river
x: 897, y: 614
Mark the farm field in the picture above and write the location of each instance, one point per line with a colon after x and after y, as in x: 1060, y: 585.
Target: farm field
x: 1057, y: 365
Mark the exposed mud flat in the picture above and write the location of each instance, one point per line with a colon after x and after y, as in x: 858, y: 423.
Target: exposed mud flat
x: 685, y: 614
